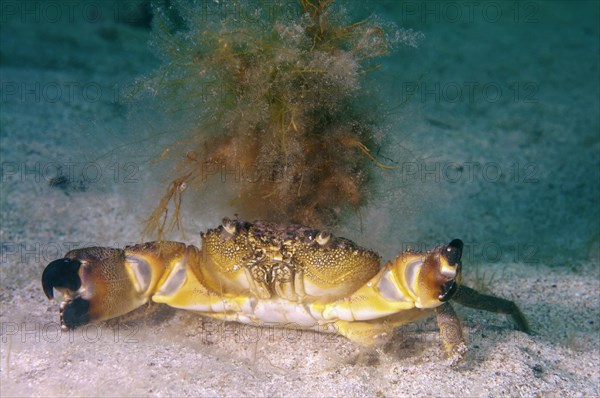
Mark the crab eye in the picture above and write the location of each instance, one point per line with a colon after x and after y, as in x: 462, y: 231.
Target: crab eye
x: 229, y: 227
x: 453, y: 252
x: 323, y: 238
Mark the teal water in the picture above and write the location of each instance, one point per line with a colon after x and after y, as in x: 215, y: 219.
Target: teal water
x: 493, y: 124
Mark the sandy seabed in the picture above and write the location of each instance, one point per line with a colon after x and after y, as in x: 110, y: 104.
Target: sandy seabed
x: 545, y: 223
x: 180, y: 354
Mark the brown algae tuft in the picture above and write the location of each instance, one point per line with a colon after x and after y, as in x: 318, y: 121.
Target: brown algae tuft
x: 276, y: 98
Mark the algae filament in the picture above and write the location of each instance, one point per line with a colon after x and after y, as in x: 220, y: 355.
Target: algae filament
x: 275, y: 96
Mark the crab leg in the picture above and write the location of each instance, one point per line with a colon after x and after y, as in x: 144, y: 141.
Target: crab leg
x: 472, y: 298
x: 450, y: 332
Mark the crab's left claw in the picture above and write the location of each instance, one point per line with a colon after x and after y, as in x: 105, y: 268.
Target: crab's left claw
x: 61, y: 274
x: 93, y: 283
x: 99, y: 283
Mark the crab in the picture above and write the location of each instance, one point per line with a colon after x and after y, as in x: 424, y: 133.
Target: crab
x: 263, y: 273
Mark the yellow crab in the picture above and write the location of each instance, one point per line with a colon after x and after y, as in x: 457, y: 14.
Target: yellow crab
x: 263, y: 273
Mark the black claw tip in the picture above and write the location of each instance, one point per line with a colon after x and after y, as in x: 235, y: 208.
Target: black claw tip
x: 61, y: 273
x: 453, y: 251
x: 75, y: 313
x: 448, y: 290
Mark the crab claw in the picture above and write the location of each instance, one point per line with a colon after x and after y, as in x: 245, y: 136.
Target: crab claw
x: 99, y: 283
x: 74, y: 313
x: 453, y: 251
x: 95, y: 285
x: 61, y: 274
x: 448, y: 290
